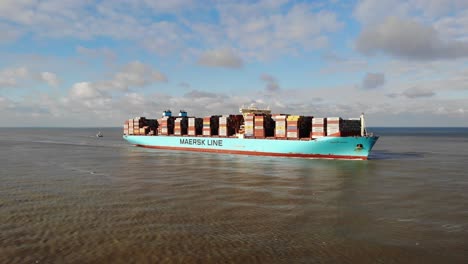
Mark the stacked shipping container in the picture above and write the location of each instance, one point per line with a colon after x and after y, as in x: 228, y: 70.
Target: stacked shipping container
x: 351, y: 127
x: 166, y: 125
x: 305, y: 126
x: 229, y: 125
x: 338, y: 127
x: 249, y: 125
x: 280, y: 126
x: 181, y: 126
x: 259, y: 126
x: 333, y: 126
x: 319, y: 128
x: 206, y: 126
x: 195, y: 126
x: 264, y: 126
x: 140, y: 126
x: 210, y: 125
x: 223, y: 126
x: 291, y: 129
x: 255, y: 126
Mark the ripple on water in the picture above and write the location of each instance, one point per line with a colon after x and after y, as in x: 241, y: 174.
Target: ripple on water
x: 103, y: 201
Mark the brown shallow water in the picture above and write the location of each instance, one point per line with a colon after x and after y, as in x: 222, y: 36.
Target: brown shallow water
x: 68, y: 197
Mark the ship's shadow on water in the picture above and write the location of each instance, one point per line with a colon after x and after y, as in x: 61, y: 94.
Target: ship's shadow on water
x: 390, y: 155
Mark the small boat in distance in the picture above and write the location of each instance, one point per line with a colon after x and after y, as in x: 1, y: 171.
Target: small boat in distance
x: 99, y: 134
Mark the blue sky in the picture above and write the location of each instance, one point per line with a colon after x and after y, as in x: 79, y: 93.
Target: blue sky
x: 96, y: 63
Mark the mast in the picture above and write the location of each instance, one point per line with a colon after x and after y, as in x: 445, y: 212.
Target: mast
x: 363, y: 126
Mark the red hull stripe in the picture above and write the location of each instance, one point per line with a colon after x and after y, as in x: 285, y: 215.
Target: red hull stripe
x: 256, y: 153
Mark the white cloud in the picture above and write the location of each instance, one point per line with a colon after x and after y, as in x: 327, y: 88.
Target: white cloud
x: 84, y: 90
x: 375, y: 11
x: 409, y: 39
x: 16, y: 77
x: 453, y: 27
x: 370, y: 12
x: 424, y: 32
x: 263, y: 30
x: 13, y: 76
x: 95, y: 98
x: 50, y: 78
x: 220, y: 58
x: 255, y: 29
x: 134, y: 74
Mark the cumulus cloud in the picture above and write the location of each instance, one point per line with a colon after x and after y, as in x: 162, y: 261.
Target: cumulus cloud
x: 50, y: 78
x: 408, y: 39
x: 102, y: 96
x: 220, y: 58
x: 373, y: 80
x: 134, y: 74
x: 264, y: 30
x: 258, y: 29
x: 271, y: 83
x: 84, y: 90
x: 375, y: 11
x: 12, y: 76
x: 453, y: 27
x: 15, y: 77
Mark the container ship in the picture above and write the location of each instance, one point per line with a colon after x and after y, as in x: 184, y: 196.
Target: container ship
x: 254, y: 132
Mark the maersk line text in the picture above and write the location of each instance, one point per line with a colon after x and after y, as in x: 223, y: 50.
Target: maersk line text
x: 201, y: 142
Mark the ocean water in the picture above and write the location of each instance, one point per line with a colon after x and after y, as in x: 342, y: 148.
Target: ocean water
x: 69, y: 197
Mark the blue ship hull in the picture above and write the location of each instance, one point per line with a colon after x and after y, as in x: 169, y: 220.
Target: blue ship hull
x: 324, y: 147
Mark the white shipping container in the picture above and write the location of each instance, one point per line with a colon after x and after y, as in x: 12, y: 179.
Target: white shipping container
x: 318, y: 121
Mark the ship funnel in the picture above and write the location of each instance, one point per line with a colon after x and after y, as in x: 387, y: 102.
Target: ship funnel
x: 183, y: 113
x: 167, y: 113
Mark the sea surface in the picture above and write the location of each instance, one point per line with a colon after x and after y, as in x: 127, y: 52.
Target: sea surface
x: 69, y: 197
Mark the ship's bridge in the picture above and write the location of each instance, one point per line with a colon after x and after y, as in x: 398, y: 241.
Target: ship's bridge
x: 253, y: 109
